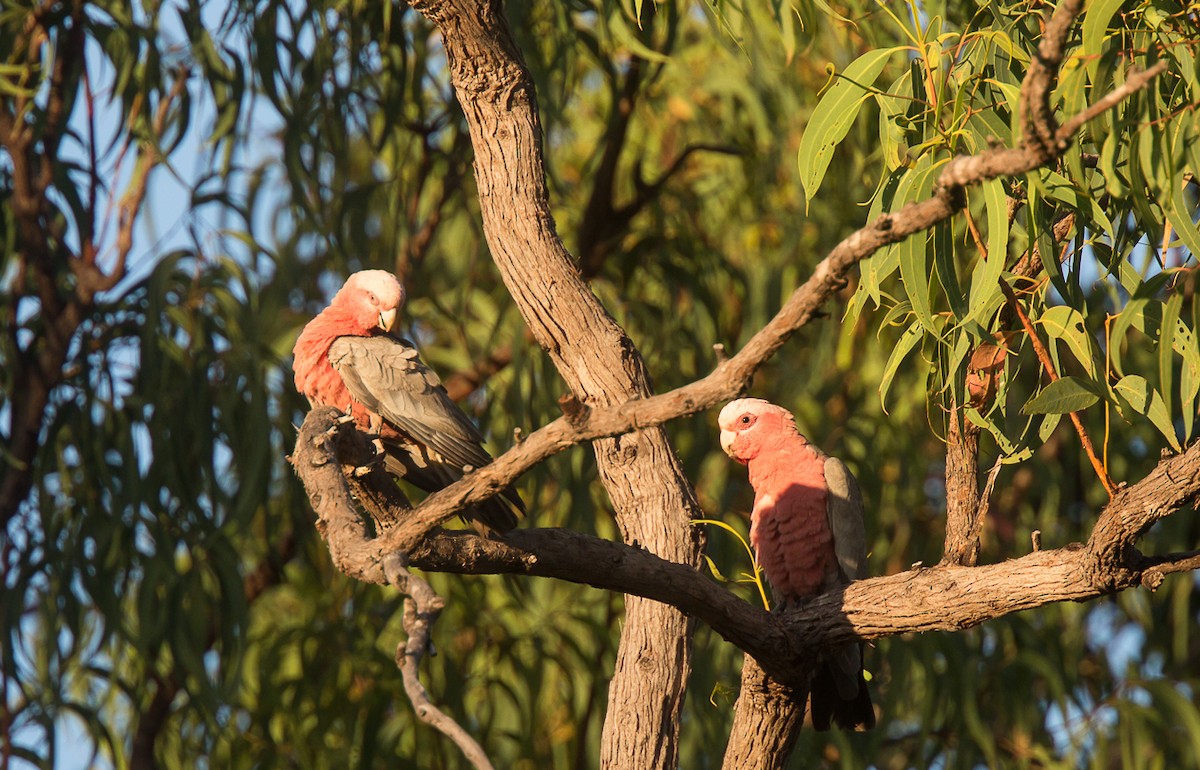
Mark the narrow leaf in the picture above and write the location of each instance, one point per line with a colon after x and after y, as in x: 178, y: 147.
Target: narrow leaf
x: 1067, y: 324
x: 834, y: 115
x: 907, y: 342
x: 1069, y: 394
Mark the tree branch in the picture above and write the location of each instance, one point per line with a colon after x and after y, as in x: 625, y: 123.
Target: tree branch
x: 942, y: 598
x: 421, y: 609
x: 731, y: 377
x: 1043, y: 356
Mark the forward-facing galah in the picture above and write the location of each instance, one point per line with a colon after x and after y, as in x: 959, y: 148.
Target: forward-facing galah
x: 807, y: 532
x: 346, y: 359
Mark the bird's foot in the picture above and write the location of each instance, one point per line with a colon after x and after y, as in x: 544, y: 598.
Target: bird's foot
x: 338, y: 424
x: 376, y: 460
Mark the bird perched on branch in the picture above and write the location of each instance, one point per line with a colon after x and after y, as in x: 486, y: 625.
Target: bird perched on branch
x: 807, y: 532
x: 346, y: 358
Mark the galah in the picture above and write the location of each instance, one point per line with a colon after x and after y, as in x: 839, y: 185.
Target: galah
x: 807, y: 532
x: 345, y: 358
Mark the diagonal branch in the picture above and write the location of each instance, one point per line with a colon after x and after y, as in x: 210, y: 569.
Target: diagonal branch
x: 732, y: 376
x: 1043, y: 356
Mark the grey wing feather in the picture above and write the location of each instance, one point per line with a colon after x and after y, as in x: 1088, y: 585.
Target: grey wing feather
x: 844, y: 509
x: 387, y: 376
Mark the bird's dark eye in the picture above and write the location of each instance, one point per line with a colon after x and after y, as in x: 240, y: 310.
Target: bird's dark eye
x: 747, y: 419
x: 371, y: 296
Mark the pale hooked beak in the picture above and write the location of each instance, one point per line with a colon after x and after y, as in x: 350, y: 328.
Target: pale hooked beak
x: 727, y: 437
x: 387, y: 319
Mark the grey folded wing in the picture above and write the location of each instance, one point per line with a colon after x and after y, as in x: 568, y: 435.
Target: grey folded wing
x: 844, y: 509
x: 387, y: 377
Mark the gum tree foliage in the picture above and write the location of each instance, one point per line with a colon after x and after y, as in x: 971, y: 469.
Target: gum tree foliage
x: 164, y: 593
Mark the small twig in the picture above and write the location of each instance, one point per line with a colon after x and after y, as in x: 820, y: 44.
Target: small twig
x: 1172, y: 562
x: 421, y: 610
x: 1035, y: 538
x: 1135, y: 80
x: 1044, y: 356
x: 985, y: 497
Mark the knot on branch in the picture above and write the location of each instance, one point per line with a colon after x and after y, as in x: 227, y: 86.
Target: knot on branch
x: 574, y: 410
x: 1113, y: 567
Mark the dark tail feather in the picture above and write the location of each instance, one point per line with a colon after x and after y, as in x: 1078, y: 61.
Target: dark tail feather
x: 826, y: 704
x: 497, y: 514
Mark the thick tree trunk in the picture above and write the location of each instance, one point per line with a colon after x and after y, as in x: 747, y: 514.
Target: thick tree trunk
x: 651, y: 497
x: 766, y: 722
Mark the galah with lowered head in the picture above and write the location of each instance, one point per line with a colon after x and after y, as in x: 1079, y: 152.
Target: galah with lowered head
x: 808, y: 535
x: 345, y: 358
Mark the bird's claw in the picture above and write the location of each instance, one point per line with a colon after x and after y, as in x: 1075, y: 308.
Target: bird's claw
x: 374, y: 462
x: 338, y: 424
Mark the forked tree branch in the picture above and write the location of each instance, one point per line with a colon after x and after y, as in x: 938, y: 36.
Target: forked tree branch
x: 495, y: 91
x: 942, y: 598
x: 731, y: 377
x: 421, y: 609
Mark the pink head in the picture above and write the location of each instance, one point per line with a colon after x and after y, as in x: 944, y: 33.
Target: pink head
x: 371, y: 298
x: 751, y: 425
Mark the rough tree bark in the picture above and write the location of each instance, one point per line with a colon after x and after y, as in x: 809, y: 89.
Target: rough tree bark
x: 943, y: 598
x: 652, y: 498
x: 766, y: 720
x: 962, y: 491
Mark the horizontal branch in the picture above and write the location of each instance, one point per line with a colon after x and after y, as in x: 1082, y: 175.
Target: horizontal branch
x: 940, y: 598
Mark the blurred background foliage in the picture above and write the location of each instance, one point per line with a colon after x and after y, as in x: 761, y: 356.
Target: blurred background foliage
x: 166, y: 601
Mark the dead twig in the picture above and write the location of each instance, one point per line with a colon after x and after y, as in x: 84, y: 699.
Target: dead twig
x: 421, y: 609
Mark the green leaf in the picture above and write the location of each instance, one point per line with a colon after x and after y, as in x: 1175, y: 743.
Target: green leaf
x: 1133, y: 314
x: 1011, y: 451
x: 1166, y: 358
x: 985, y: 292
x: 1095, y: 29
x: 1068, y: 394
x: 1067, y: 324
x: 1178, y: 210
x: 943, y: 259
x: 913, y: 252
x: 835, y: 113
x: 712, y: 567
x: 1134, y: 392
x: 1041, y: 213
x: 912, y: 335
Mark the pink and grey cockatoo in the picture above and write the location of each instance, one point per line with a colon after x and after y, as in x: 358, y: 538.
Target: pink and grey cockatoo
x: 807, y: 532
x: 346, y: 359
